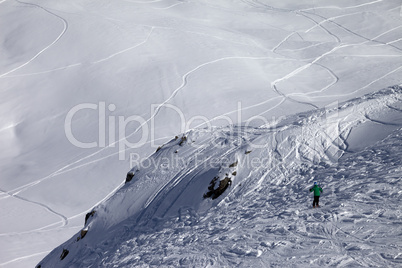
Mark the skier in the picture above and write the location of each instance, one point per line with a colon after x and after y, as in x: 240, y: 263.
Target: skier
x: 317, y: 191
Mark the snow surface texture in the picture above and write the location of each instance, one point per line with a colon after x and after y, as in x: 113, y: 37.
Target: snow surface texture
x: 265, y: 217
x: 209, y: 59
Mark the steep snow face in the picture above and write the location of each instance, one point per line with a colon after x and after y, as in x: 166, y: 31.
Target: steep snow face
x: 176, y: 65
x: 264, y: 217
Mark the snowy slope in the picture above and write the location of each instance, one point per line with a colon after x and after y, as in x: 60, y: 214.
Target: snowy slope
x: 176, y: 65
x: 264, y: 217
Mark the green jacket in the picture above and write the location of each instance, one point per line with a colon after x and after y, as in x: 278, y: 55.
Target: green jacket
x: 317, y: 190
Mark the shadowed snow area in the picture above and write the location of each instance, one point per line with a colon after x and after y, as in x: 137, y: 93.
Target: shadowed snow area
x: 267, y: 94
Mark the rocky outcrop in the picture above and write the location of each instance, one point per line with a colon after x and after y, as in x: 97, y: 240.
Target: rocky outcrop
x: 223, y: 185
x: 214, y: 190
x: 129, y: 176
x: 183, y: 140
x: 89, y: 215
x: 64, y: 254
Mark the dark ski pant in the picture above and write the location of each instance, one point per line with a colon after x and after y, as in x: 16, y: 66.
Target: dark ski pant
x: 316, y: 201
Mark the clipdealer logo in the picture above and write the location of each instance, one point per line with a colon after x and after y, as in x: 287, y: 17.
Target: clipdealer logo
x: 109, y: 124
x: 121, y: 126
x: 145, y: 132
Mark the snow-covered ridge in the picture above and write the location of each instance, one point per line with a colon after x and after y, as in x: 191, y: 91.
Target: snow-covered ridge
x: 168, y: 189
x: 209, y: 59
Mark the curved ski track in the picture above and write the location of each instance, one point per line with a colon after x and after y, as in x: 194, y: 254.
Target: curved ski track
x: 65, y: 27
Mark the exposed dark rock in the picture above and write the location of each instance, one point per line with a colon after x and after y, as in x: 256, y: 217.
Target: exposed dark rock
x: 211, y: 188
x: 234, y: 164
x: 223, y: 185
x: 183, y: 140
x: 129, y: 177
x: 88, y: 215
x: 64, y: 254
x: 83, y: 233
